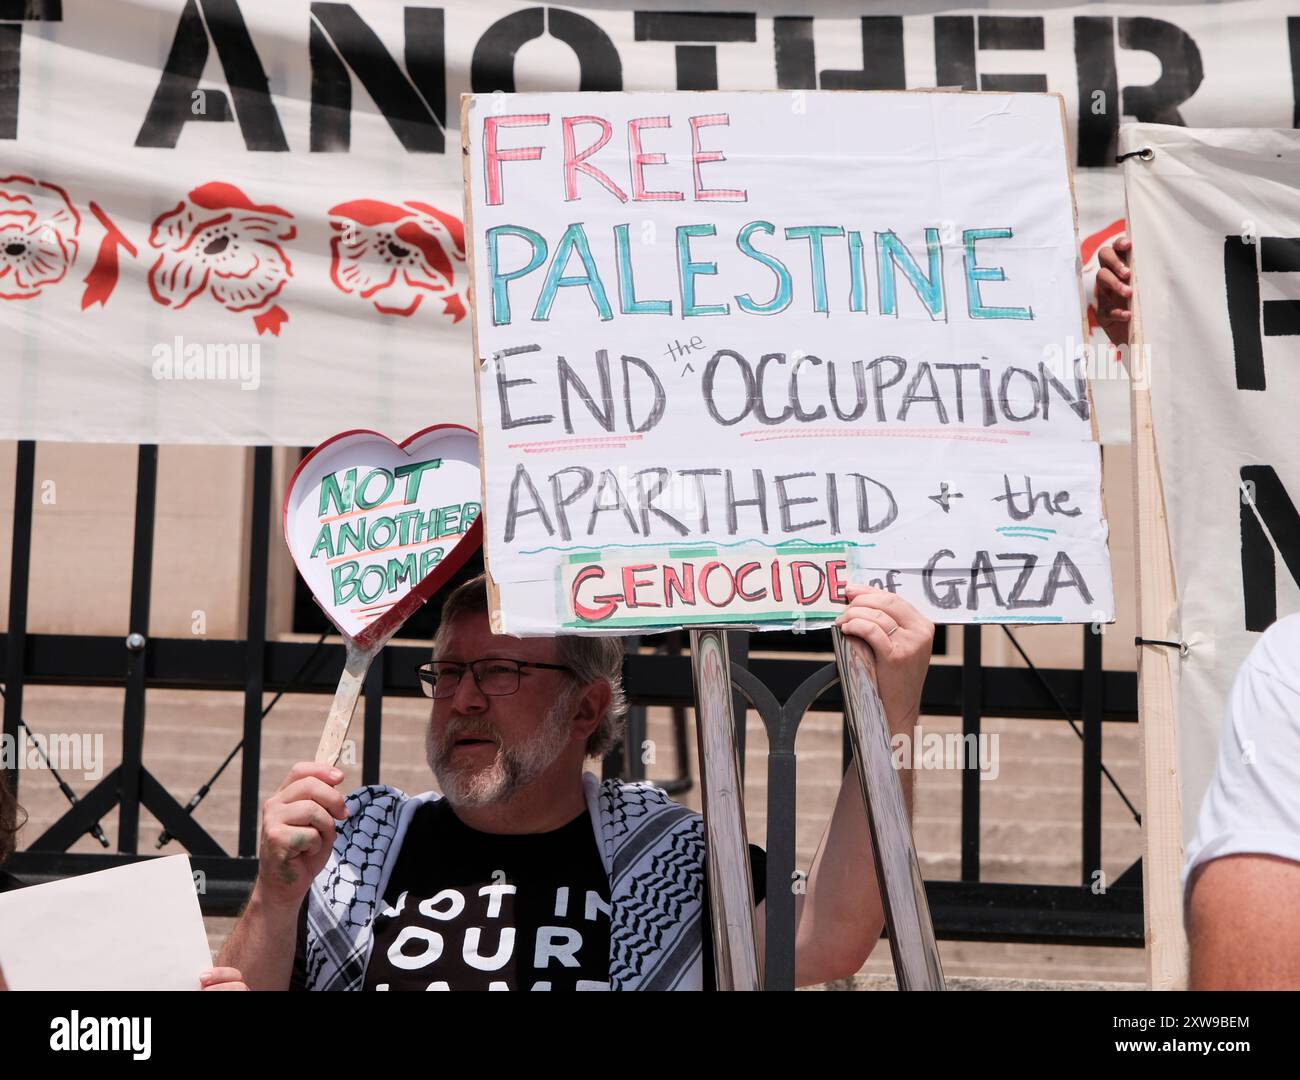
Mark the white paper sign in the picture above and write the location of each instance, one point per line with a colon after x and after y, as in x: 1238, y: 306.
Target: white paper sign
x: 739, y: 349
x: 135, y: 927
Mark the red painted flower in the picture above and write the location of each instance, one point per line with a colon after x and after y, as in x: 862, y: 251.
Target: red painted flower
x: 394, y: 255
x: 218, y: 241
x: 38, y: 236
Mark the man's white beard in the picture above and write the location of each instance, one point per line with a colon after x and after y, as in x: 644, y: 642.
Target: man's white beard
x: 513, y: 768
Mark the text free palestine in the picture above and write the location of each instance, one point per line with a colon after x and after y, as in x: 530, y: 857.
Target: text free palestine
x: 585, y: 136
x: 530, y: 254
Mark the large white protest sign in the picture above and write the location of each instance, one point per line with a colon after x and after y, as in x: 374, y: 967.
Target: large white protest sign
x: 1215, y: 217
x: 238, y: 223
x: 134, y: 927
x: 737, y: 350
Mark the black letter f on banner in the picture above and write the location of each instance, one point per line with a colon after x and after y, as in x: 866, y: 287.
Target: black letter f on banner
x: 1277, y: 254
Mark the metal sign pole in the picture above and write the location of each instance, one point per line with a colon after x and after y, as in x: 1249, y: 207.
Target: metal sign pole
x: 731, y: 893
x: 898, y: 874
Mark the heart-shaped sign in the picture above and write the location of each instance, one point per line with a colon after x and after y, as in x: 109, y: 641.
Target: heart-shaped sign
x: 376, y: 527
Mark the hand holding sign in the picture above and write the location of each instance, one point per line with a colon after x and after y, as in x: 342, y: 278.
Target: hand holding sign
x: 899, y: 639
x: 1115, y: 290
x: 222, y: 978
x: 375, y: 528
x: 298, y: 833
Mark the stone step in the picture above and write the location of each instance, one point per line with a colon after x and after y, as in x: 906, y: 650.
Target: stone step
x: 214, y: 731
x: 1018, y: 869
x: 943, y: 790
x: 966, y: 982
x: 1014, y: 770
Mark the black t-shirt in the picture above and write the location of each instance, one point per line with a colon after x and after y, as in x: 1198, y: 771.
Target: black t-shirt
x: 468, y: 910
x: 484, y: 911
x: 8, y: 882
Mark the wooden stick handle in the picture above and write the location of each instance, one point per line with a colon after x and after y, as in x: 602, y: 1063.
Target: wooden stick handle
x: 737, y: 965
x: 898, y: 873
x: 344, y: 704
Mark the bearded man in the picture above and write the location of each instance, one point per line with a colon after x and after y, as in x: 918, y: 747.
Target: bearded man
x: 526, y: 872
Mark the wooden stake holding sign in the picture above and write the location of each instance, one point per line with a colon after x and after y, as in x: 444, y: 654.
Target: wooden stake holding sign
x: 726, y: 845
x: 376, y: 528
x: 1162, y: 900
x: 912, y: 942
x: 737, y: 350
x: 356, y: 665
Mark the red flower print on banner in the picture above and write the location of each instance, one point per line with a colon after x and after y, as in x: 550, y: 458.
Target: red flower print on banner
x: 393, y: 255
x: 39, y: 227
x: 38, y: 236
x: 102, y: 279
x: 218, y: 241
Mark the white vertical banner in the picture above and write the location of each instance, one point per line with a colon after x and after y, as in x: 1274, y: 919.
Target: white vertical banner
x: 1215, y: 221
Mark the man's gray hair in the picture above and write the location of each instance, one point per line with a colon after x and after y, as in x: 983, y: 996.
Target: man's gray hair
x: 592, y: 659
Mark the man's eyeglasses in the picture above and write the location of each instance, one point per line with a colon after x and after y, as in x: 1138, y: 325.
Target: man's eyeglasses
x: 496, y: 676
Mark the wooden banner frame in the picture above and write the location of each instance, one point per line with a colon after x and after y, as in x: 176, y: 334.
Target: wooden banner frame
x: 738, y: 966
x: 1162, y: 830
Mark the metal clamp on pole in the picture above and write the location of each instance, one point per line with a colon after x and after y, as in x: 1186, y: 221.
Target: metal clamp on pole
x: 898, y: 874
x: 731, y: 891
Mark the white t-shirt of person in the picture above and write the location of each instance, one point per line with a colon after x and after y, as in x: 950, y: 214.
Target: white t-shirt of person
x: 1253, y: 802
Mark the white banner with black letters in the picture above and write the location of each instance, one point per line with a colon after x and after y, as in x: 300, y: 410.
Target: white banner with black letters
x: 1215, y: 220
x: 227, y: 222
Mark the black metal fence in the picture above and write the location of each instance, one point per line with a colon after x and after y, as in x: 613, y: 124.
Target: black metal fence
x: 966, y: 909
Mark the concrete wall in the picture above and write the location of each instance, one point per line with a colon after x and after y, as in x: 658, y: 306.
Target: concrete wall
x: 82, y: 535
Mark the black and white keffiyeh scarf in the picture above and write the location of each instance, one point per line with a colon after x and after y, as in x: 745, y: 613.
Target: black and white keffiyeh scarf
x: 652, y: 848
